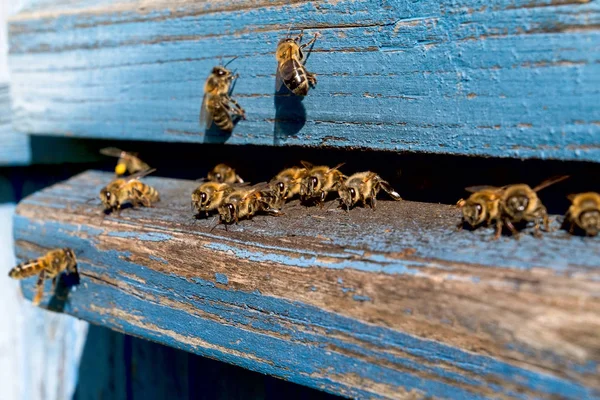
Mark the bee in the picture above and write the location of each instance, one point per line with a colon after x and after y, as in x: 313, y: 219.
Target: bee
x: 520, y: 203
x: 210, y: 195
x: 319, y: 181
x: 128, y: 162
x: 363, y: 187
x: 482, y: 208
x: 291, y: 71
x: 46, y: 267
x: 217, y: 105
x: 223, y: 173
x: 584, y: 213
x: 129, y: 190
x: 287, y: 183
x: 244, y: 204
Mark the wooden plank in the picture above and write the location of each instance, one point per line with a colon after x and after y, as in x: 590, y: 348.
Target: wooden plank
x: 14, y: 148
x: 385, y: 304
x: 508, y: 78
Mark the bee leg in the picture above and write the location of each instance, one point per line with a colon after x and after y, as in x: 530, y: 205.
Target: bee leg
x: 39, y: 288
x: 572, y: 228
x: 54, y: 283
x: 498, y: 230
x: 238, y: 110
x: 322, y: 199
x: 373, y: 202
x: 310, y: 42
x: 512, y: 228
x: 312, y: 79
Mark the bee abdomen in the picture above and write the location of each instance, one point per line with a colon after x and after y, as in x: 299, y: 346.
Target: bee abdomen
x: 153, y: 194
x: 222, y: 120
x: 294, y: 77
x: 25, y: 269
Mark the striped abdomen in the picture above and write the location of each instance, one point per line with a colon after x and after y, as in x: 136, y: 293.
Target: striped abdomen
x: 146, y: 191
x: 27, y: 268
x: 293, y: 75
x: 220, y: 115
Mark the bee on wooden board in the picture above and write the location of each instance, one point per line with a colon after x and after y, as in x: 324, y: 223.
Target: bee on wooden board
x: 48, y: 266
x: 217, y: 105
x: 127, y: 163
x: 363, y: 187
x: 209, y: 196
x: 223, y: 173
x: 482, y: 208
x: 291, y: 71
x: 244, y: 204
x: 286, y: 184
x: 515, y: 204
x: 129, y: 190
x: 584, y: 213
x: 319, y: 181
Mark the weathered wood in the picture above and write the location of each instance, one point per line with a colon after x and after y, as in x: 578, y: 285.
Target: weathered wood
x: 392, y: 303
x: 14, y: 146
x: 507, y: 78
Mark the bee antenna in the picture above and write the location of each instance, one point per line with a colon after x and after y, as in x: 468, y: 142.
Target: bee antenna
x: 287, y: 36
x: 230, y: 61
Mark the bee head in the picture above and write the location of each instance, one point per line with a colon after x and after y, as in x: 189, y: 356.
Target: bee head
x: 590, y: 221
x: 286, y: 48
x: 71, y: 260
x: 108, y: 198
x: 474, y: 212
x: 517, y: 203
x: 221, y: 72
x: 200, y: 199
x: 348, y: 196
x: 228, y: 213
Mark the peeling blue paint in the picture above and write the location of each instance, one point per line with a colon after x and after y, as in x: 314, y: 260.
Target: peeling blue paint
x: 221, y: 278
x: 358, y: 297
x: 159, y: 259
x: 147, y: 236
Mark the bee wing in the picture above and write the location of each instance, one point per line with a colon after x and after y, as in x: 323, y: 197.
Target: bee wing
x: 278, y: 80
x: 206, y: 118
x: 337, y: 166
x: 550, y: 181
x: 474, y: 189
x: 307, y: 165
x: 140, y: 174
x: 112, y: 152
x: 238, y: 179
x: 369, y: 176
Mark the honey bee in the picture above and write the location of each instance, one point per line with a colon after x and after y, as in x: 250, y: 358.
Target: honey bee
x: 217, y: 105
x: 584, y: 213
x: 46, y: 267
x: 128, y: 162
x: 129, y: 190
x: 520, y: 203
x: 319, y: 181
x: 291, y: 71
x: 482, y: 208
x: 287, y: 183
x: 209, y: 196
x: 244, y: 204
x: 363, y: 187
x: 223, y: 173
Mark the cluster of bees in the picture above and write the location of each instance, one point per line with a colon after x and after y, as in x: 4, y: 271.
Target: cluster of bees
x: 220, y: 108
x: 224, y: 193
x: 515, y: 206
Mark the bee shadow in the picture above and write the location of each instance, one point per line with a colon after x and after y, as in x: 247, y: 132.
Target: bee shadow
x: 290, y: 114
x: 61, y: 292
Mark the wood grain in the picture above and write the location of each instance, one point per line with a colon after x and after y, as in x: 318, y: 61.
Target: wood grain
x: 14, y: 146
x: 506, y: 78
x: 385, y: 304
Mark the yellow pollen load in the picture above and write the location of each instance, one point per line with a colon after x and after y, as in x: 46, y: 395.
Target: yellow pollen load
x: 120, y: 169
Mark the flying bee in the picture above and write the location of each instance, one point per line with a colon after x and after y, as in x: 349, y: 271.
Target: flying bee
x: 520, y: 203
x: 363, y: 187
x: 209, y: 196
x: 291, y: 71
x: 129, y: 190
x: 584, y: 213
x: 128, y: 162
x: 46, y: 267
x: 217, y: 105
x: 244, y: 204
x: 482, y: 208
x: 223, y: 173
x: 287, y: 183
x: 319, y: 181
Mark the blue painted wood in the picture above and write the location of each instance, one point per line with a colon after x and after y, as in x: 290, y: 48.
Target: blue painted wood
x: 14, y: 146
x: 356, y: 304
x: 507, y: 78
